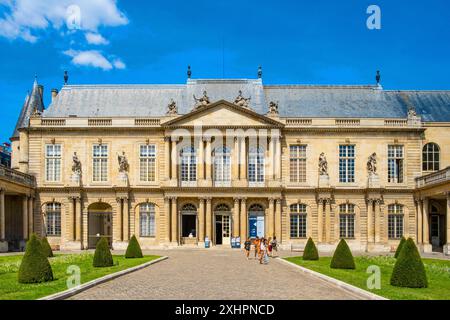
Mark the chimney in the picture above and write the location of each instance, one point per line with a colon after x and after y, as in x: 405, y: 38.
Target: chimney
x: 54, y: 94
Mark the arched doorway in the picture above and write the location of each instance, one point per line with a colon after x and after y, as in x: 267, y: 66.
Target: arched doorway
x: 256, y: 221
x: 100, y: 223
x: 222, y: 223
x: 188, y: 222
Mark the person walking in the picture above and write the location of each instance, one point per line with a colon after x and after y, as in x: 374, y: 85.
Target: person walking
x: 269, y: 246
x: 247, y: 245
x: 262, y: 250
x: 257, y: 245
x: 274, y: 246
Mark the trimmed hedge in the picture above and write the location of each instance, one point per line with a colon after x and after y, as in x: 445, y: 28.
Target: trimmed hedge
x: 310, y: 252
x: 342, y: 258
x: 46, y: 249
x: 102, y: 255
x: 35, y: 267
x: 399, y: 248
x: 409, y: 270
x: 133, y: 249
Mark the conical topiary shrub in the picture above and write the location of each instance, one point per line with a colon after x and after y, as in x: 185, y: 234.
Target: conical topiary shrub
x: 310, y: 252
x: 102, y: 256
x: 409, y: 270
x: 133, y: 249
x: 342, y: 258
x: 399, y: 248
x: 35, y: 267
x: 46, y: 249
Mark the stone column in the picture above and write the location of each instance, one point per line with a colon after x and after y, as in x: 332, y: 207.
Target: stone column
x: 174, y: 159
x: 319, y: 220
x: 126, y: 219
x: 78, y: 219
x: 271, y: 218
x: 419, y: 221
x: 208, y: 219
x: 174, y: 221
x: 277, y: 158
x: 71, y: 220
x: 119, y: 236
x: 278, y: 220
x: 167, y: 158
x: 2, y: 214
x: 328, y: 220
x: 201, y: 159
x: 236, y: 221
x: 271, y: 166
x: 447, y: 217
x: 377, y: 222
x: 201, y: 220
x: 167, y: 219
x: 426, y: 222
x: 235, y: 164
x: 25, y: 217
x: 208, y: 159
x: 244, y: 220
x: 370, y: 231
x: 243, y: 159
x: 30, y: 215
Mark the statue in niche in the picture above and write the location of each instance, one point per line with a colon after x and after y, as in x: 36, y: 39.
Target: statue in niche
x: 76, y: 165
x: 323, y: 165
x: 372, y: 164
x: 172, y: 108
x: 202, y: 101
x: 123, y: 163
x: 273, y: 108
x: 241, y: 101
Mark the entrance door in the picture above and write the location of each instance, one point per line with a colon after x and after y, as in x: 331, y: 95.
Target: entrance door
x: 256, y: 221
x: 222, y: 218
x: 435, y: 232
x: 99, y: 224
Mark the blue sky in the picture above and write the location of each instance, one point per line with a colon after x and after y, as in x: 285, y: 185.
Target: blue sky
x: 306, y: 42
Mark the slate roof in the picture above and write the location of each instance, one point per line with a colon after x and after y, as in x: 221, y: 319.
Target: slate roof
x: 33, y: 101
x: 361, y: 101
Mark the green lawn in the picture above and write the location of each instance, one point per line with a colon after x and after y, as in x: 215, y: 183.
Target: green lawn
x: 11, y: 289
x: 438, y: 273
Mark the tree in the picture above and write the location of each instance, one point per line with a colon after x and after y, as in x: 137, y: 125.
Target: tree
x: 399, y: 248
x: 133, y: 249
x: 35, y: 267
x: 342, y: 258
x: 409, y: 270
x: 102, y: 255
x: 46, y: 249
x: 310, y: 252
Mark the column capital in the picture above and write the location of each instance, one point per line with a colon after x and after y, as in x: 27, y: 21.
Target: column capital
x: 243, y: 199
x: 236, y: 199
x: 271, y: 200
x: 167, y: 138
x: 173, y: 197
x: 2, y: 190
x: 207, y: 138
x: 278, y: 200
x: 208, y: 199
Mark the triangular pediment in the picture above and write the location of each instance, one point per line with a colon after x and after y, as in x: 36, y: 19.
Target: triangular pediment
x: 223, y: 114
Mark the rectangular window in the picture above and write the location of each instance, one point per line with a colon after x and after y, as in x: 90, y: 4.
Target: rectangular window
x: 256, y: 165
x: 347, y: 220
x: 53, y: 217
x: 53, y: 162
x: 395, y: 221
x: 395, y: 164
x: 346, y: 163
x: 147, y: 158
x: 100, y: 163
x: 298, y: 225
x: 297, y: 164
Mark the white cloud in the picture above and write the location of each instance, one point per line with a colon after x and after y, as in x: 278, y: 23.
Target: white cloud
x: 95, y: 38
x: 93, y: 58
x: 25, y: 18
x: 118, y: 64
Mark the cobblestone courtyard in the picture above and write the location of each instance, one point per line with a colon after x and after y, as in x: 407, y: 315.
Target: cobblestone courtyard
x: 215, y: 274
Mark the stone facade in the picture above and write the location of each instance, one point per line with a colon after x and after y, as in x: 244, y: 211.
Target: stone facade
x: 215, y: 203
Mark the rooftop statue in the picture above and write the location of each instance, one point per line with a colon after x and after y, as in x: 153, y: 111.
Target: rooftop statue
x: 372, y: 164
x: 273, y: 108
x: 76, y: 165
x: 123, y: 162
x: 323, y: 165
x: 172, y: 108
x: 241, y: 101
x: 412, y: 112
x: 202, y: 101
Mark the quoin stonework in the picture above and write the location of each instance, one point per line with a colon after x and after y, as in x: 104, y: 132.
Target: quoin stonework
x: 221, y: 159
